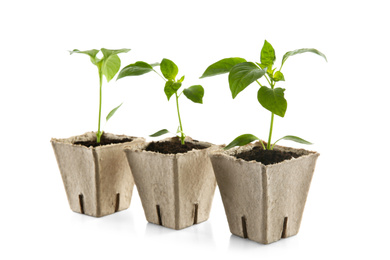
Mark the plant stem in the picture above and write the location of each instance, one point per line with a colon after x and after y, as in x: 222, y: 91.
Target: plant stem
x: 270, y: 132
x: 100, y: 104
x: 178, y: 113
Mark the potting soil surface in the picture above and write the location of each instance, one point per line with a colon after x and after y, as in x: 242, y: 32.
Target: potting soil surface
x: 103, y: 141
x: 172, y: 147
x: 266, y: 157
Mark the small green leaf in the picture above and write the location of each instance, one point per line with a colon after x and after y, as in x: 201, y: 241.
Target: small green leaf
x: 273, y: 100
x: 267, y: 56
x: 112, y: 112
x: 241, y: 140
x: 155, y: 64
x: 292, y: 138
x: 171, y: 88
x: 222, y: 66
x: 242, y: 75
x: 278, y: 76
x: 158, y: 133
x: 181, y: 79
x: 194, y: 93
x: 111, y: 66
x: 135, y: 69
x: 299, y: 51
x: 169, y: 69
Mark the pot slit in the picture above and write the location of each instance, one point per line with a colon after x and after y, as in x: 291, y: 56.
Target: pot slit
x: 244, y: 230
x: 196, y: 213
x: 117, y: 201
x: 159, y: 215
x: 81, y: 202
x: 284, y: 231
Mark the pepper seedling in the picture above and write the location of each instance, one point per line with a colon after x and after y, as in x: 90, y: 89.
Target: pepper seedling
x: 108, y: 66
x: 243, y: 73
x: 169, y: 72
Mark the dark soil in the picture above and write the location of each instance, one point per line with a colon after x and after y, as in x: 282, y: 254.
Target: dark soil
x: 103, y: 141
x: 173, y: 147
x: 266, y: 157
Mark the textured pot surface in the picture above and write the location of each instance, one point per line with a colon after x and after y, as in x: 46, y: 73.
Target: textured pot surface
x: 176, y: 190
x: 97, y: 180
x: 263, y: 203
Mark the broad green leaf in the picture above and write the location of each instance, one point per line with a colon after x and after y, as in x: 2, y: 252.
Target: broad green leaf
x: 169, y: 69
x: 91, y: 53
x: 299, y: 51
x: 158, y: 133
x: 292, y: 138
x: 278, y: 76
x: 112, y: 112
x: 242, y: 75
x: 107, y: 52
x: 171, y: 88
x: 222, y: 66
x: 267, y: 55
x: 111, y: 66
x: 194, y: 93
x: 135, y: 69
x: 273, y: 100
x: 242, y: 140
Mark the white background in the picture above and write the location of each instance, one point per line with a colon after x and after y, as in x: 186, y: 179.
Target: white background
x: 340, y: 105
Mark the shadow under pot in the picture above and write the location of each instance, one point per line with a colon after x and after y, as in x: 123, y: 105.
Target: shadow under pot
x: 264, y: 202
x: 97, y: 177
x: 176, y: 183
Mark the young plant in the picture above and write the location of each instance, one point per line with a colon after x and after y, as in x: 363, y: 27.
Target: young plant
x: 243, y: 73
x: 108, y: 66
x: 169, y: 72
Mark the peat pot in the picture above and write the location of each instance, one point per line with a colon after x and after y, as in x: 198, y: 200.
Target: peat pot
x: 176, y: 190
x: 263, y: 203
x: 97, y: 180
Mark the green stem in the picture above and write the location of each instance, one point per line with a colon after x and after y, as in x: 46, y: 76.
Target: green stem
x: 270, y: 132
x: 99, y: 134
x: 178, y: 113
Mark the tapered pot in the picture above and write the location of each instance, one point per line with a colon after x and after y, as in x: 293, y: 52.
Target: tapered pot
x: 176, y: 190
x: 97, y: 180
x: 263, y: 203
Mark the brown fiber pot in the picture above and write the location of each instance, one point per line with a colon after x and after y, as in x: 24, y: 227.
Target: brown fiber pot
x: 263, y: 203
x: 97, y: 180
x: 176, y: 190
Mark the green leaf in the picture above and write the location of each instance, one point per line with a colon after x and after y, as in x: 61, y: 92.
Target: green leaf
x: 292, y: 138
x: 135, y: 69
x: 169, y: 69
x: 273, y: 100
x: 91, y: 53
x: 181, y: 79
x: 267, y: 56
x: 278, y: 76
x: 241, y: 140
x: 111, y: 66
x: 107, y: 52
x: 112, y: 112
x: 222, y: 66
x: 299, y: 51
x: 242, y: 75
x: 171, y: 88
x: 158, y: 133
x: 194, y: 93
